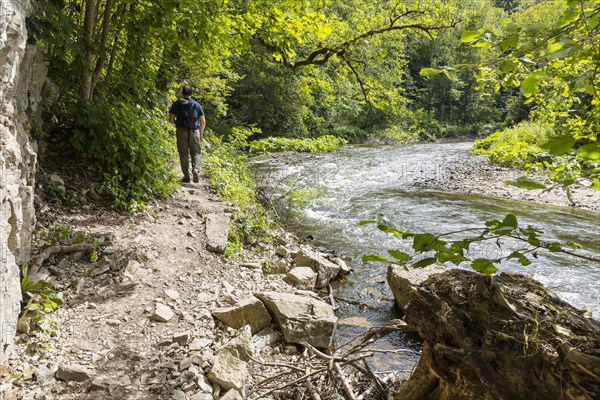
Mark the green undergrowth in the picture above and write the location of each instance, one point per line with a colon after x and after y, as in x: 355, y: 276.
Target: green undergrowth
x: 229, y: 172
x: 325, y: 143
x: 132, y: 148
x: 525, y: 146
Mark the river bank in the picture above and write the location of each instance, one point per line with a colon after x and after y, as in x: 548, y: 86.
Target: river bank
x: 476, y: 174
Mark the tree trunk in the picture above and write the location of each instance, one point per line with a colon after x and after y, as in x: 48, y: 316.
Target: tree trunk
x: 500, y: 337
x: 106, y: 21
x: 85, y: 86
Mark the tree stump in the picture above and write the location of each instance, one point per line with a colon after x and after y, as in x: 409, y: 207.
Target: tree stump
x: 500, y: 337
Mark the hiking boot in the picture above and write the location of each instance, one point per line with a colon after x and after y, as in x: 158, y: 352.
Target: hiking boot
x: 186, y: 179
x: 196, y: 177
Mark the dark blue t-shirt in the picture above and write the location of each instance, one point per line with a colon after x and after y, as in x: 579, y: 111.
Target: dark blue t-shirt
x: 178, y: 107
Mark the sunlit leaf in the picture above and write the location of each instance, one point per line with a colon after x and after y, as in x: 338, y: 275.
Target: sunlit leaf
x: 374, y: 258
x: 589, y: 152
x: 525, y: 183
x: 559, y: 145
x: 424, y: 262
x: 398, y: 255
x: 429, y: 72
x: 484, y: 266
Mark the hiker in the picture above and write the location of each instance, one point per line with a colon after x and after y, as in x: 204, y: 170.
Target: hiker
x: 188, y: 117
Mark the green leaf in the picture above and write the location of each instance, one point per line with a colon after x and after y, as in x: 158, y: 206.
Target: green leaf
x: 429, y: 72
x: 522, y: 259
x: 424, y: 262
x: 510, y: 220
x: 374, y: 258
x: 559, y: 145
x: 529, y: 86
x: 596, y: 184
x: 94, y: 257
x: 469, y: 36
x: 554, y: 247
x: 509, y: 42
x: 508, y: 66
x: 423, y: 241
x: 398, y: 255
x: 525, y: 183
x: 450, y: 75
x: 589, y: 152
x: 484, y: 266
x: 574, y: 245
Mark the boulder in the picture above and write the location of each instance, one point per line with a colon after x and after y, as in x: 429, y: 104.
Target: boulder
x: 325, y: 269
x: 301, y: 317
x: 217, y: 231
x: 403, y: 281
x: 73, y: 373
x: 242, y: 345
x: 229, y: 372
x: 247, y: 311
x: 344, y: 268
x: 303, y: 278
x: 499, y: 337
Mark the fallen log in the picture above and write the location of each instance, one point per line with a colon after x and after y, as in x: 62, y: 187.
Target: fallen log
x: 499, y: 337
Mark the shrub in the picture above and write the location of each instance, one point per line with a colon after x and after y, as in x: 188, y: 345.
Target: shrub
x: 132, y: 147
x: 323, y: 143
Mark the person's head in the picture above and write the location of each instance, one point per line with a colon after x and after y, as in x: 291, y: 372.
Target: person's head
x: 187, y: 90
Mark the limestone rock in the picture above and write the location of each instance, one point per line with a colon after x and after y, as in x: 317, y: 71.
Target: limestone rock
x: 266, y: 337
x: 73, y: 373
x: 403, y: 281
x: 217, y: 231
x: 162, y: 313
x: 302, y: 278
x: 344, y: 268
x: 241, y: 346
x: 247, y: 311
x: 232, y: 395
x: 102, y: 384
x: 229, y: 372
x: 182, y: 338
x: 301, y: 317
x: 325, y: 269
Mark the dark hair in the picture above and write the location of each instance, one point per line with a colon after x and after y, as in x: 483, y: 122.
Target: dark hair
x: 187, y: 90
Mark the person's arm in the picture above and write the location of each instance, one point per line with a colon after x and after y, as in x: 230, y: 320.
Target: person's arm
x: 202, y: 122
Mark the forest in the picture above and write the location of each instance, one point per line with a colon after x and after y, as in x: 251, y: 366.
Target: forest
x: 525, y: 71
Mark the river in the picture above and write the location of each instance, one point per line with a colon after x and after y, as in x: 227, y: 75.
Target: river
x: 357, y: 182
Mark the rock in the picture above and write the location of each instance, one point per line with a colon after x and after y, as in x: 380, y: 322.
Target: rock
x: 172, y: 294
x: 204, y: 384
x: 403, y: 281
x: 282, y: 251
x: 182, y: 338
x: 264, y: 338
x: 102, y: 384
x: 162, y: 313
x: 73, y: 373
x: 325, y: 269
x: 201, y: 396
x: 302, y: 278
x: 344, y: 268
x: 43, y: 375
x: 217, y: 231
x: 301, y: 317
x: 494, y: 337
x: 247, y: 311
x: 199, y: 344
x: 229, y: 372
x: 241, y: 346
x: 232, y: 395
x: 178, y: 395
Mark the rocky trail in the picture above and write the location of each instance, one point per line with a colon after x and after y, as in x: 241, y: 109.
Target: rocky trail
x: 139, y: 322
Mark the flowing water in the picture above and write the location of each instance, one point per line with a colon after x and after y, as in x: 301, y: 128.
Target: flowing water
x: 357, y: 182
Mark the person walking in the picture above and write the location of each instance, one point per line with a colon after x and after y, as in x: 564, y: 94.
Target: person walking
x: 188, y: 116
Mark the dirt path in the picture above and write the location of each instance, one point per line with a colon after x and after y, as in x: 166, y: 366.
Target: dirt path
x: 107, y: 325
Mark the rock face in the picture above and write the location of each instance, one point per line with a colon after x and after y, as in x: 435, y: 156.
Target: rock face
x: 500, y: 337
x: 302, y: 318
x: 325, y: 269
x: 247, y: 311
x: 303, y: 278
x: 22, y: 75
x: 217, y: 230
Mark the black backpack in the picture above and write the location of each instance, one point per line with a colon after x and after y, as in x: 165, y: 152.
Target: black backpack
x: 186, y: 114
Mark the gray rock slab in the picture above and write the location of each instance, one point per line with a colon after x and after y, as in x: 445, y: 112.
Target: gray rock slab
x: 217, y: 231
x: 74, y: 373
x: 302, y: 278
x: 403, y: 281
x: 302, y: 318
x: 325, y: 269
x: 162, y: 313
x: 229, y: 372
x: 247, y: 311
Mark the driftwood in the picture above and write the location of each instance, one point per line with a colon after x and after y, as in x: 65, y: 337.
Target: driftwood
x: 501, y: 337
x: 326, y: 376
x: 58, y: 249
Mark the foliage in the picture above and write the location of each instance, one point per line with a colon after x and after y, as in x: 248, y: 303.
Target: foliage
x: 229, y: 172
x: 325, y: 143
x: 132, y: 148
x: 430, y: 248
x: 42, y: 298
